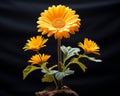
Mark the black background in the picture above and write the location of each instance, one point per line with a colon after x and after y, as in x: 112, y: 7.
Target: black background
x: 100, y: 21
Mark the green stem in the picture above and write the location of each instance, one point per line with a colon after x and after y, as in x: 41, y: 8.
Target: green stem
x: 79, y: 56
x: 59, y: 62
x: 56, y: 85
x: 53, y: 67
x: 68, y: 65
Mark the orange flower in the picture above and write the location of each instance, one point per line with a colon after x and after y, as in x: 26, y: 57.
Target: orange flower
x: 38, y: 58
x: 89, y: 46
x: 35, y: 43
x: 58, y: 20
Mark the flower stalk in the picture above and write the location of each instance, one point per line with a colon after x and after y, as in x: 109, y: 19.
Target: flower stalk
x: 59, y: 61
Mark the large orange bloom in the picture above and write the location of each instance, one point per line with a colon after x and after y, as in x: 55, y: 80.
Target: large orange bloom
x: 35, y: 43
x: 39, y: 58
x: 60, y: 21
x: 89, y: 46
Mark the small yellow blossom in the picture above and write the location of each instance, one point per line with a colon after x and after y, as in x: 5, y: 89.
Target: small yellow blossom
x: 35, y: 43
x: 60, y: 21
x: 39, y: 58
x: 89, y: 46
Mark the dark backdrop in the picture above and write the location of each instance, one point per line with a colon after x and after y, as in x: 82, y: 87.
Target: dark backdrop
x: 100, y: 22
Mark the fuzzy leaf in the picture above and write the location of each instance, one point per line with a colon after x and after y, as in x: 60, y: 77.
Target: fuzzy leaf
x: 28, y: 70
x: 50, y: 71
x: 60, y: 75
x: 47, y: 78
x: 69, y: 52
x: 95, y: 60
x: 80, y: 64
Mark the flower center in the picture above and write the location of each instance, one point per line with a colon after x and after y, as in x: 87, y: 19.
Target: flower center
x: 58, y: 23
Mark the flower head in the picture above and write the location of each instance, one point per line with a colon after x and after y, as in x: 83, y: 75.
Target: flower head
x: 39, y: 58
x: 60, y: 21
x: 89, y: 46
x: 35, y: 43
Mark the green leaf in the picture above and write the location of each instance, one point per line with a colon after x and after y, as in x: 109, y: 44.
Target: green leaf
x: 80, y: 64
x: 93, y: 59
x: 69, y: 52
x: 49, y: 75
x: 49, y: 72
x: 28, y: 70
x: 47, y: 78
x: 60, y: 75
